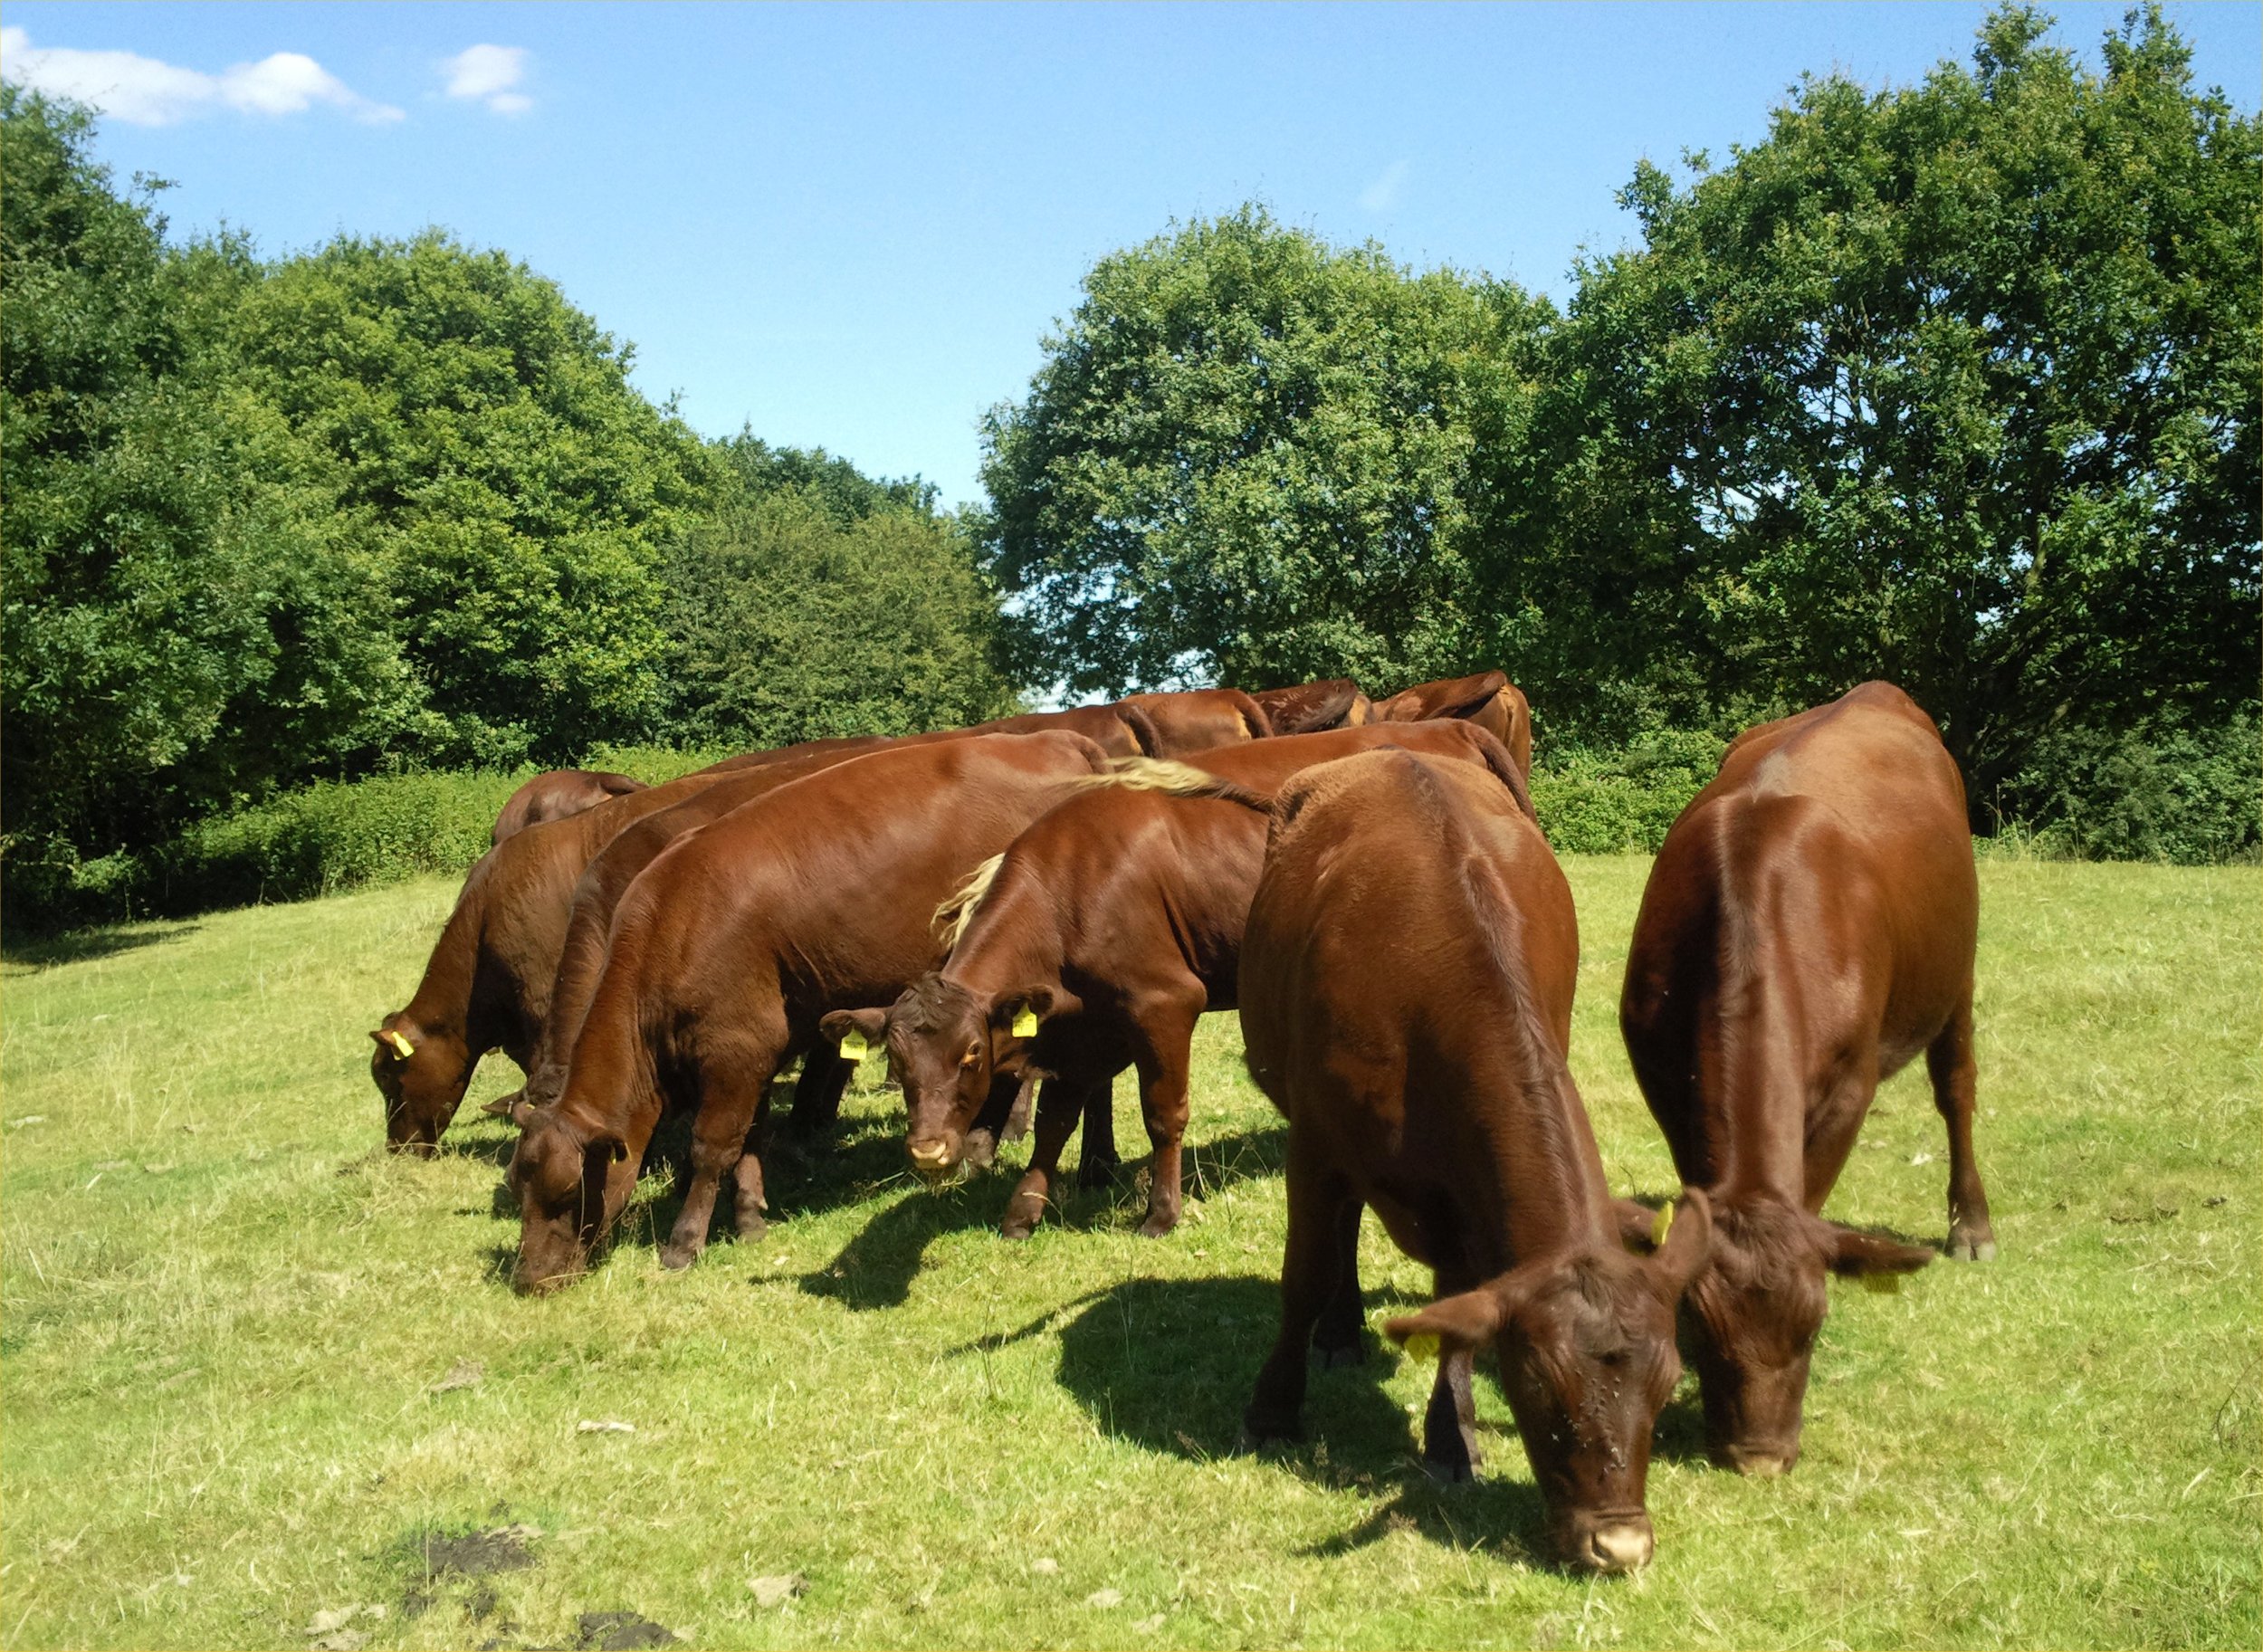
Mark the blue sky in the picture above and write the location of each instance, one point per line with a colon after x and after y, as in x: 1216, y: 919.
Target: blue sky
x: 851, y: 226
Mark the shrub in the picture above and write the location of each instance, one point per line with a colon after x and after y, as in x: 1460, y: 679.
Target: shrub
x: 2192, y: 796
x: 1619, y: 802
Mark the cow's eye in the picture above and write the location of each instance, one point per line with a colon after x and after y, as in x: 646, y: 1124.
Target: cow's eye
x: 973, y: 1054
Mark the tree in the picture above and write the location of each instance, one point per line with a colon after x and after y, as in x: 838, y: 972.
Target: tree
x: 791, y: 624
x: 487, y: 455
x: 163, y: 599
x: 1954, y: 384
x: 1245, y: 457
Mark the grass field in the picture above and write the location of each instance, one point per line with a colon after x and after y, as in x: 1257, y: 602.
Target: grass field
x: 255, y: 1375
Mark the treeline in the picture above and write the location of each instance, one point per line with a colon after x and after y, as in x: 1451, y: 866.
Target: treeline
x: 390, y: 507
x: 1956, y: 383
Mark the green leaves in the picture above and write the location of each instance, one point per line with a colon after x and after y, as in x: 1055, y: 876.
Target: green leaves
x: 1245, y: 456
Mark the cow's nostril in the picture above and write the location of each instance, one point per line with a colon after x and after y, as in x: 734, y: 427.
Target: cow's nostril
x: 1759, y: 1463
x: 931, y: 1155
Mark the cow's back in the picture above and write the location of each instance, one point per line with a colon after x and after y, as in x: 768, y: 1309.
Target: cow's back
x: 1368, y: 980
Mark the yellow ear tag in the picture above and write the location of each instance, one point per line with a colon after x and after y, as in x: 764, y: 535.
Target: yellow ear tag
x: 853, y: 1045
x: 1662, y: 1226
x: 402, y: 1049
x: 1885, y: 1284
x: 1025, y: 1023
x: 1422, y: 1345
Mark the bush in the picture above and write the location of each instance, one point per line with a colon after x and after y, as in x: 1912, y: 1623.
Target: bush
x: 2191, y: 797
x: 1622, y: 802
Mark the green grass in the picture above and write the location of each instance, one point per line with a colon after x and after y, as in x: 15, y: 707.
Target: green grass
x: 226, y: 1322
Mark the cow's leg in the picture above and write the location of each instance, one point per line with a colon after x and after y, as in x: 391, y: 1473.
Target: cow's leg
x: 1949, y: 1063
x: 1167, y: 1042
x: 1097, y: 1164
x: 1336, y: 1339
x: 1317, y: 1194
x: 1449, y: 1426
x: 818, y: 1095
x: 1449, y: 1429
x: 734, y: 1094
x: 997, y: 1109
x: 1058, y: 1102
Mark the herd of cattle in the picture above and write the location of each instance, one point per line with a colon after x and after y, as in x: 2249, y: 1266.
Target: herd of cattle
x: 1026, y: 908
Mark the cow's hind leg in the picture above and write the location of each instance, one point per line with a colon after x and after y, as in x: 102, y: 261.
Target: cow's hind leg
x: 1949, y: 1063
x: 1317, y: 1196
x: 1337, y: 1339
x: 1098, y: 1161
x: 1449, y: 1428
x: 734, y: 1095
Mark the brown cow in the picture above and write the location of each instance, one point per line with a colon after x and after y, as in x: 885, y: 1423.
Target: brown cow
x: 487, y: 985
x: 1809, y: 927
x: 1200, y: 719
x: 1489, y: 700
x: 730, y: 946
x: 1311, y: 707
x: 1405, y: 991
x: 1106, y: 930
x: 558, y: 794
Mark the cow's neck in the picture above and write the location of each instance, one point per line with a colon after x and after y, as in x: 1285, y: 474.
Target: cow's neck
x: 1753, y: 1067
x: 1551, y: 1170
x: 1013, y: 940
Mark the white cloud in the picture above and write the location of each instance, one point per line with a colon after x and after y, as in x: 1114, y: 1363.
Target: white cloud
x: 146, y: 91
x: 1383, y: 195
x: 486, y: 74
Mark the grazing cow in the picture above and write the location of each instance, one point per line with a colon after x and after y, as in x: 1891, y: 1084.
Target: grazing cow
x: 1095, y: 943
x: 558, y: 794
x: 1200, y: 718
x: 487, y: 985
x: 729, y: 946
x: 1809, y: 927
x: 1405, y: 991
x: 1311, y: 707
x: 1489, y: 700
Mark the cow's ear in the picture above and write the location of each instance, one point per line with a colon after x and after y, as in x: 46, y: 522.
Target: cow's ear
x: 1460, y: 1324
x: 1862, y: 1255
x: 854, y: 1030
x: 1683, y: 1233
x: 523, y: 1114
x: 1637, y: 1225
x: 609, y: 1143
x: 395, y: 1042
x: 1019, y: 1012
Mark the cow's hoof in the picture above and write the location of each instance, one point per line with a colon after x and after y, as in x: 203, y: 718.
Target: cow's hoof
x: 1969, y: 1247
x: 1332, y: 1358
x: 1017, y: 1228
x: 675, y: 1258
x: 1448, y: 1473
x: 753, y: 1227
x: 980, y: 1151
x: 1155, y: 1226
x: 1097, y: 1172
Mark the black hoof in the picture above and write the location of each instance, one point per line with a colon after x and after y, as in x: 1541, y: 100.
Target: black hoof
x: 1097, y: 1172
x: 1330, y: 1358
x: 1259, y: 1432
x: 1448, y: 1473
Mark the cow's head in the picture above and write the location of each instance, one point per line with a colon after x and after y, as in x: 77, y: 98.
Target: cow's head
x: 1753, y: 1315
x: 1586, y: 1345
x: 422, y: 1077
x: 945, y: 1045
x: 559, y: 1172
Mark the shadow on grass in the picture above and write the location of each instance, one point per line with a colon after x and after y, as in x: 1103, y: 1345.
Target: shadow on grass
x: 1168, y: 1365
x: 876, y: 1268
x: 81, y: 946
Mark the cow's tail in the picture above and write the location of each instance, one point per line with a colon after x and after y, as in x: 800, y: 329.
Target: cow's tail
x: 1179, y: 780
x: 1254, y: 722
x: 1145, y: 733
x: 1497, y: 758
x: 957, y: 911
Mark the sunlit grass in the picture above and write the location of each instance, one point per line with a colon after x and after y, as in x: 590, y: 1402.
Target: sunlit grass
x: 228, y: 1325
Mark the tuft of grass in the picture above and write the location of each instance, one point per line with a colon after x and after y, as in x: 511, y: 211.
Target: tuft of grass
x: 254, y: 1373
